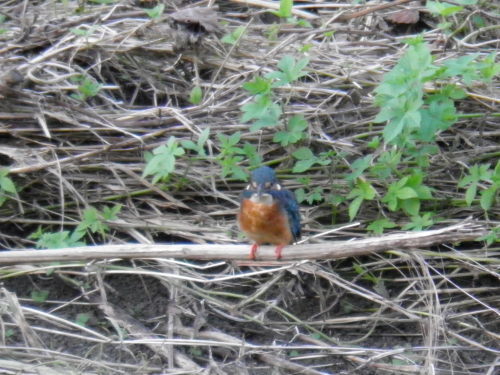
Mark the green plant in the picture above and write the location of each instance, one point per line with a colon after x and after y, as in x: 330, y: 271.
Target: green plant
x: 481, y: 174
x: 308, y: 194
x: 82, y: 319
x: 400, y: 95
x: 233, y: 37
x: 285, y: 9
x: 386, y: 164
x: 196, y: 95
x: 161, y: 162
x: 407, y: 194
x: 362, y: 191
x: 56, y: 240
x: 358, y: 167
x: 198, y: 147
x: 378, y: 283
x: 7, y: 186
x: 2, y: 20
x: 420, y: 222
x: 290, y: 71
x: 263, y: 108
x: 492, y: 236
x: 82, y: 31
x: 94, y: 220
x: 156, y: 12
x: 411, y: 114
x: 294, y: 131
x: 380, y: 225
x: 230, y: 156
x: 306, y: 159
x: 87, y: 87
x: 445, y: 9
x: 39, y: 295
x: 286, y: 12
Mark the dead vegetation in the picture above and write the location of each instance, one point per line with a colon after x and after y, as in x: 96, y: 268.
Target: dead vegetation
x: 428, y: 310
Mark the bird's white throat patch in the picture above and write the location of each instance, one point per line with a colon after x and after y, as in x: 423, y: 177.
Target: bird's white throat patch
x: 266, y: 199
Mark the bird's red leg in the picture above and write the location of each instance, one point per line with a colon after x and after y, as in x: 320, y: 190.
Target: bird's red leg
x: 253, y: 251
x: 277, y: 251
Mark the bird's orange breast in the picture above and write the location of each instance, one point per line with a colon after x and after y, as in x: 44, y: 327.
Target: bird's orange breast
x: 264, y: 223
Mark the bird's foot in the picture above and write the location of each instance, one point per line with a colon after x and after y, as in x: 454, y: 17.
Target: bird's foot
x: 278, y: 250
x: 253, y: 251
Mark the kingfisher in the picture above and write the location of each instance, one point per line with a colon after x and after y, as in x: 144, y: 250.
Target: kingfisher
x: 268, y: 213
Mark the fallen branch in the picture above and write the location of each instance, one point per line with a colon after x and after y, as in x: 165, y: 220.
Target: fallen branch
x: 465, y: 231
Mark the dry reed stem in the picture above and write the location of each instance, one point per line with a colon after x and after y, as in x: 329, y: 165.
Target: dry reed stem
x: 402, y: 308
x: 341, y: 249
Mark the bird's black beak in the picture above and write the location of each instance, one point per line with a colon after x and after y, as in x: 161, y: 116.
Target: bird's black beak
x: 260, y: 188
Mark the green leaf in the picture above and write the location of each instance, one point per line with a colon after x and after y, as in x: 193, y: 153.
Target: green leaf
x: 263, y: 109
x: 196, y: 95
x: 162, y: 164
x: 406, y: 193
x: 306, y: 48
x: 252, y: 154
x: 411, y: 206
x: 358, y: 167
x: 303, y: 23
x: 378, y: 226
x: 296, y: 125
x: 462, y: 66
x: 87, y: 87
x: 259, y: 86
x: 82, y: 31
x: 92, y: 221
x: 56, y: 240
x: 442, y: 8
x: 374, y: 143
x: 155, y: 12
x: 271, y: 117
x: 232, y: 38
x: 7, y: 185
x: 291, y: 70
x: 82, y: 319
x: 203, y: 138
x: 492, y: 236
x: 487, y: 198
x: 354, y: 207
x: 109, y: 213
x: 488, y: 67
x: 439, y: 115
x: 302, y: 165
x: 303, y: 153
x: 300, y: 195
x: 198, y: 147
x: 39, y: 296
x: 368, y: 192
x: 285, y: 10
x: 466, y: 2
x: 420, y: 222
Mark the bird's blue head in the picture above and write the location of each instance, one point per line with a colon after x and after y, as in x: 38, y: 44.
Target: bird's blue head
x: 264, y: 177
x: 263, y: 180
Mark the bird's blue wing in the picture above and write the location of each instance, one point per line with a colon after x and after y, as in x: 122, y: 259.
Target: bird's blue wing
x: 291, y: 207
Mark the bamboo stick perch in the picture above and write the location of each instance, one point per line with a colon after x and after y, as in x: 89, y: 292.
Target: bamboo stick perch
x: 465, y: 231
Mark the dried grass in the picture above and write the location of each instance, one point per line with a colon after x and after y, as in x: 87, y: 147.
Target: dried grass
x: 424, y: 311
